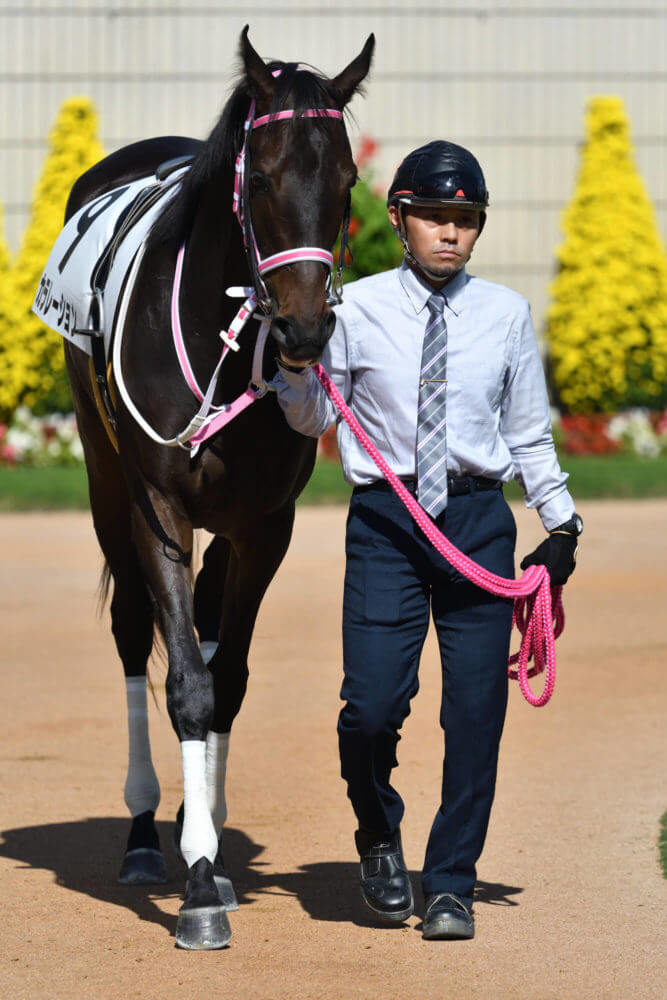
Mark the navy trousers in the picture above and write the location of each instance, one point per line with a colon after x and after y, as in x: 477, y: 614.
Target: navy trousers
x: 394, y: 578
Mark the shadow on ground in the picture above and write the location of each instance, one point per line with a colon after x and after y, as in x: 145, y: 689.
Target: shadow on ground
x: 85, y: 856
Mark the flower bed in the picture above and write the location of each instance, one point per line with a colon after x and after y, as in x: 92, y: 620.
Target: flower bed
x: 40, y: 441
x: 53, y: 440
x: 637, y: 432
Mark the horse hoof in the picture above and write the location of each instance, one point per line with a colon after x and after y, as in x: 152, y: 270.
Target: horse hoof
x: 203, y: 929
x: 226, y: 892
x: 143, y: 866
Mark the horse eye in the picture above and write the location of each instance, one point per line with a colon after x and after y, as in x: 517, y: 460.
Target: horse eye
x: 259, y: 181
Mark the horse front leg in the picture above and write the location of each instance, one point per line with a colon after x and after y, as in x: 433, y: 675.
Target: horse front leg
x: 163, y: 539
x: 252, y: 562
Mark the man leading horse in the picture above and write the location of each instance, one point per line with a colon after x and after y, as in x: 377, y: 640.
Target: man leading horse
x: 442, y: 371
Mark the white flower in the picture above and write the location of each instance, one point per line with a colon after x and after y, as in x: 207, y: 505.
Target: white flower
x: 617, y: 426
x: 21, y: 440
x: 22, y: 415
x: 648, y: 447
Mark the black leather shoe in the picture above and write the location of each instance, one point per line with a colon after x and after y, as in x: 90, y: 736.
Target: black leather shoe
x: 385, y: 883
x: 447, y: 917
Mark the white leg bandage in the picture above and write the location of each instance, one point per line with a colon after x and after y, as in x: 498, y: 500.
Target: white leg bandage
x: 142, y: 789
x: 217, y: 748
x: 207, y: 649
x: 199, y: 839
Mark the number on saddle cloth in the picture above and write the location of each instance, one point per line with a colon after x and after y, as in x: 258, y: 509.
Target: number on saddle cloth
x: 93, y: 254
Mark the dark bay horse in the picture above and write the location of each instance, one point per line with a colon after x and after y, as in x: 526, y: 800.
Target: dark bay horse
x: 242, y: 486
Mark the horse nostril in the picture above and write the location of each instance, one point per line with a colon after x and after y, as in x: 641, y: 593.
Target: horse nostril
x: 328, y: 323
x: 280, y: 329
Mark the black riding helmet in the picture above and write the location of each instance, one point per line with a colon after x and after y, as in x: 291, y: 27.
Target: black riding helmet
x: 439, y: 172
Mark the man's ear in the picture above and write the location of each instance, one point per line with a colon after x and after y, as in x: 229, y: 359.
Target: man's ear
x: 348, y: 82
x: 258, y: 75
x: 394, y: 217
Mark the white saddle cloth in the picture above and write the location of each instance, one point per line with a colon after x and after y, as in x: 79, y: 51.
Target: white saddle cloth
x: 64, y: 294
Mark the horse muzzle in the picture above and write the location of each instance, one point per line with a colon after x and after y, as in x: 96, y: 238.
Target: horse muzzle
x: 302, y: 343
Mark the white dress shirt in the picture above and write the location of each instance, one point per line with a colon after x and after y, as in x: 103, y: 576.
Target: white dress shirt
x: 498, y: 417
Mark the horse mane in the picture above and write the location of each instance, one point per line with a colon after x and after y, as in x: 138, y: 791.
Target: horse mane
x: 217, y: 156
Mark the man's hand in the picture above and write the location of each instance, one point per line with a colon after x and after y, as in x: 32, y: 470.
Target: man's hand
x: 558, y: 553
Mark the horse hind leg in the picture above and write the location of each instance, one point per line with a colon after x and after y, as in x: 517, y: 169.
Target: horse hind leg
x: 132, y: 627
x: 131, y: 621
x: 132, y: 618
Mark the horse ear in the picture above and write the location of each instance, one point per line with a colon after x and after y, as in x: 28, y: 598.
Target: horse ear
x: 257, y: 73
x: 347, y: 83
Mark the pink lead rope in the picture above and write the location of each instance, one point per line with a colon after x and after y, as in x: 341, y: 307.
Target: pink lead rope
x: 538, y: 622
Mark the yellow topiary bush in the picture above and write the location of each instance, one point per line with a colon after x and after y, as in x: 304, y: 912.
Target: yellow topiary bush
x: 607, y: 324
x: 31, y: 355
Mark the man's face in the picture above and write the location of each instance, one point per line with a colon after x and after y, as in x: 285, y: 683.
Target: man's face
x: 441, y: 237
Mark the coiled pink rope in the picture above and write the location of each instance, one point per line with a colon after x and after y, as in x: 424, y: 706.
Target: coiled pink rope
x: 538, y: 621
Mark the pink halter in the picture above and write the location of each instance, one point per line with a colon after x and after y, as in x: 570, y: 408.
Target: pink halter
x: 258, y: 266
x: 210, y: 419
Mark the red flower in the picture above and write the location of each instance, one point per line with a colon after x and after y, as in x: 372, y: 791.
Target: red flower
x: 587, y: 435
x: 327, y: 447
x: 365, y: 151
x: 659, y: 421
x: 354, y: 226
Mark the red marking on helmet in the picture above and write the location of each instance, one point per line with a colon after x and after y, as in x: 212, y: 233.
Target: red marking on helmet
x: 403, y: 192
x: 460, y: 194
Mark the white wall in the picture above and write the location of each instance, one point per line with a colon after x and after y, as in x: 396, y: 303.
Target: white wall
x: 507, y: 79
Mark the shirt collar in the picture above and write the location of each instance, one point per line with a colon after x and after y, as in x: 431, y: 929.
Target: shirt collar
x: 419, y: 291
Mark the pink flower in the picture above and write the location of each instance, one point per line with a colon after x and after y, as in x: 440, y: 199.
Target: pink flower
x: 8, y: 454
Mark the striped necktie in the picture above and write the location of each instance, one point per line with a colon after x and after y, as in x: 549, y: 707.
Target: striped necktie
x: 431, y: 412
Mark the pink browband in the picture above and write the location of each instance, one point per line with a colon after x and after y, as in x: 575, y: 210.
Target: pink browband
x: 280, y: 116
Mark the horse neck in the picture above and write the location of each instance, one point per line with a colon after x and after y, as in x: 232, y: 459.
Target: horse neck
x: 214, y: 261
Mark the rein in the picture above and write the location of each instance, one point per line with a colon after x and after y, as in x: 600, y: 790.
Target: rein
x: 538, y: 620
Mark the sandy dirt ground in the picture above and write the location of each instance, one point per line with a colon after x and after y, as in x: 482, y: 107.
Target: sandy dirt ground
x: 570, y: 902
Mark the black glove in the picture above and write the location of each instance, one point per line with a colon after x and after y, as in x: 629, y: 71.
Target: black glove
x: 558, y: 553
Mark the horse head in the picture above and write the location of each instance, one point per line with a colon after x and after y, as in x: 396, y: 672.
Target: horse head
x: 300, y: 174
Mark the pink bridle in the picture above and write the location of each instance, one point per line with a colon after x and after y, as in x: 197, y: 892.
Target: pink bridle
x: 209, y: 419
x: 258, y: 266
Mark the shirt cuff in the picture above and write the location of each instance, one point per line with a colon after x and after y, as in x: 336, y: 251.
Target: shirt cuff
x: 557, y: 510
